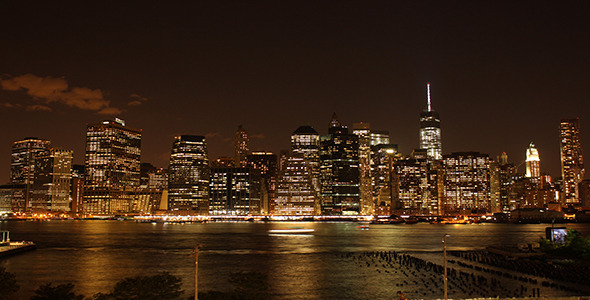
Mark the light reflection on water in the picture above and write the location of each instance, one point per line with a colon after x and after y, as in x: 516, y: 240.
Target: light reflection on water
x: 96, y: 254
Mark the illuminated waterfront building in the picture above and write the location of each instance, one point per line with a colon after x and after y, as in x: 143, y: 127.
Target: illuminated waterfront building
x: 295, y: 192
x: 266, y: 164
x: 430, y: 134
x: 417, y: 185
x: 363, y: 131
x: 305, y: 143
x: 466, y: 183
x: 339, y: 171
x: 188, y: 178
x: 112, y: 167
x: 533, y: 168
x: 77, y: 188
x: 51, y: 191
x: 501, y: 180
x: 234, y: 191
x: 379, y: 137
x: 572, y: 162
x: 223, y: 162
x: 22, y: 168
x: 383, y: 157
x: 158, y: 179
x: 584, y: 188
x: 242, y: 146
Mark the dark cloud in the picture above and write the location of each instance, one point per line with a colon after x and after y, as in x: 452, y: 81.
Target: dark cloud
x: 38, y: 107
x: 257, y: 136
x: 47, y: 90
x: 137, y: 100
x: 212, y: 135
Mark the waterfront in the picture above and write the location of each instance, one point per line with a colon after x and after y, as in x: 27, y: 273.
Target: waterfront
x: 96, y: 254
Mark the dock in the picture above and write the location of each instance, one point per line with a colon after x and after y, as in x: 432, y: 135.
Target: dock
x: 9, y: 248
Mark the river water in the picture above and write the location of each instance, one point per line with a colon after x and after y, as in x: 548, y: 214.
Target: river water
x: 94, y: 254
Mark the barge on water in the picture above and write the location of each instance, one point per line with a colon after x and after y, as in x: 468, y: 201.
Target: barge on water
x: 9, y: 248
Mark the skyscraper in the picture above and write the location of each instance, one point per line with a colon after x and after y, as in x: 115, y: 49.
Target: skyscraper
x: 383, y: 157
x: 430, y: 136
x: 52, y: 186
x: 339, y: 171
x: 188, y: 179
x: 266, y: 164
x: 112, y: 166
x: 242, y: 146
x: 501, y: 180
x: 533, y: 168
x: 572, y: 162
x: 22, y: 168
x: 305, y: 143
x: 417, y: 185
x: 466, y: 183
x: 363, y: 131
x: 295, y: 193
x: 234, y: 191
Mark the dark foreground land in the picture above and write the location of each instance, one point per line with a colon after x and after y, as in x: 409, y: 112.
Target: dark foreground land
x: 473, y: 274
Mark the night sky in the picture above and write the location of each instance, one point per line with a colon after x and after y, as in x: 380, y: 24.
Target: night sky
x: 503, y: 74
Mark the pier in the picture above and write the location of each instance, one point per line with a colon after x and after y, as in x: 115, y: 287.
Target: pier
x: 9, y: 248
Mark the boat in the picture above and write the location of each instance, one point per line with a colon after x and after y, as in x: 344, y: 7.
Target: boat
x: 291, y: 231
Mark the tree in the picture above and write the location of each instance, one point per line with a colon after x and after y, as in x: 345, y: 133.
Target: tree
x: 8, y: 284
x: 249, y: 285
x: 58, y: 292
x: 161, y: 286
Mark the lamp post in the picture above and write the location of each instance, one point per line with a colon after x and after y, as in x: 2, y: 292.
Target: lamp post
x: 444, y: 241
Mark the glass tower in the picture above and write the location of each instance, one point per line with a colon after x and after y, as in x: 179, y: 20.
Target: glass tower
x: 188, y: 178
x: 430, y: 137
x: 339, y: 171
x: 112, y: 167
x: 572, y: 163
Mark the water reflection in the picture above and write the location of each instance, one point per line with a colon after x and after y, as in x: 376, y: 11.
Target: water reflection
x: 96, y: 254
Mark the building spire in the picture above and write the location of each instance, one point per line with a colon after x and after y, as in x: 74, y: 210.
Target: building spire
x: 428, y: 95
x: 334, y: 122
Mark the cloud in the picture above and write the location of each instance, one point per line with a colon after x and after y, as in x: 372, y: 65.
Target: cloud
x: 110, y: 111
x: 7, y: 105
x: 38, y: 107
x: 257, y: 136
x: 48, y: 90
x: 137, y: 100
x: 134, y: 103
x: 212, y: 135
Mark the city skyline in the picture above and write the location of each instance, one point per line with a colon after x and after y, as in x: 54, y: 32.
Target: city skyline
x: 503, y: 75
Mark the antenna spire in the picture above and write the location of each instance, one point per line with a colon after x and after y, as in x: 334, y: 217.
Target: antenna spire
x: 428, y: 93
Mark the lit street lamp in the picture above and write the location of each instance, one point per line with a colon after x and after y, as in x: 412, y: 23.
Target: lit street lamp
x: 444, y: 241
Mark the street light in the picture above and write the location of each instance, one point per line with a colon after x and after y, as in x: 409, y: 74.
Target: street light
x: 444, y: 241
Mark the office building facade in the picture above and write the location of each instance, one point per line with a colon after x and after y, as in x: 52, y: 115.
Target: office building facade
x: 188, y: 177
x: 111, y: 166
x: 572, y: 161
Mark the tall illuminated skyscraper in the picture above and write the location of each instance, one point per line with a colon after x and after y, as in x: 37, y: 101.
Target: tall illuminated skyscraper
x: 339, y: 171
x: 295, y: 193
x: 25, y: 154
x: 112, y: 166
x: 305, y: 143
x: 363, y: 131
x: 53, y: 180
x: 466, y: 183
x: 188, y: 178
x: 533, y: 168
x: 430, y: 136
x: 242, y: 146
x: 572, y: 162
x: 266, y: 164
